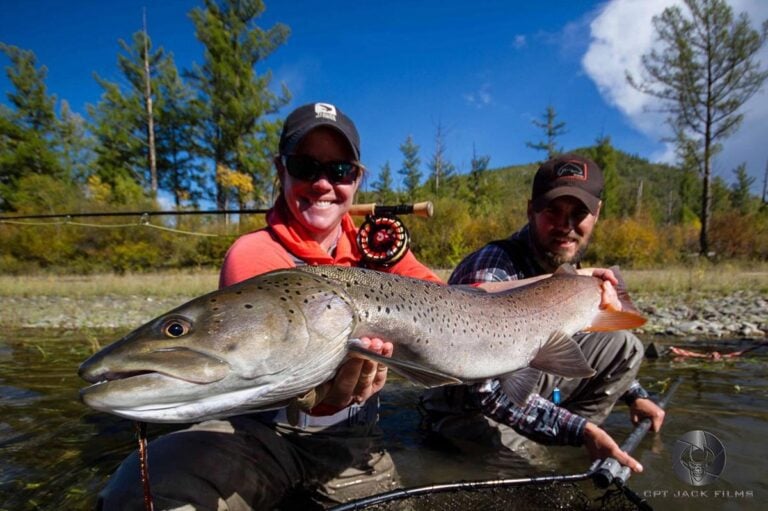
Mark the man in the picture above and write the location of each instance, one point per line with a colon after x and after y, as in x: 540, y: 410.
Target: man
x: 562, y: 213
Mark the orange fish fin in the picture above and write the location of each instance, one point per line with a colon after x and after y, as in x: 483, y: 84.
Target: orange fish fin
x: 621, y: 291
x: 610, y: 319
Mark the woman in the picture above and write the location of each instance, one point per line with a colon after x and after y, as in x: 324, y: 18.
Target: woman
x: 329, y: 454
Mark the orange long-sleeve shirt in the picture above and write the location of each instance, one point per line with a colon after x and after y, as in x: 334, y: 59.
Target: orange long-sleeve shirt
x: 280, y: 245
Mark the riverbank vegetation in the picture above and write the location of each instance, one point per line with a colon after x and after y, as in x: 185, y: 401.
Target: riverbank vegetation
x: 205, y: 137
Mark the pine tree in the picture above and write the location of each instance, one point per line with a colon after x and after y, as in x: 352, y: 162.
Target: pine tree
x: 76, y: 144
x: 703, y: 73
x: 477, y: 178
x: 383, y: 187
x: 29, y: 130
x: 740, y: 195
x: 179, y: 171
x: 552, y: 130
x: 116, y: 123
x: 410, y: 169
x: 605, y: 156
x: 234, y: 100
x: 124, y: 120
x: 440, y: 168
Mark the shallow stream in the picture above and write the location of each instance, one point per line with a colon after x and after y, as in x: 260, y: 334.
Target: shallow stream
x: 56, y: 454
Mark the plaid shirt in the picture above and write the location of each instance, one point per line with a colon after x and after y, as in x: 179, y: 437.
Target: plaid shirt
x: 540, y: 419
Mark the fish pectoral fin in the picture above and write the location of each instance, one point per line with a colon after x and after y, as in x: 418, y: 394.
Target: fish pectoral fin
x: 520, y: 384
x: 409, y: 370
x: 610, y: 319
x: 561, y: 355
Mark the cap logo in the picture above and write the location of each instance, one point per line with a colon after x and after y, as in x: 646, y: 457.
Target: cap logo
x: 325, y: 111
x: 573, y: 170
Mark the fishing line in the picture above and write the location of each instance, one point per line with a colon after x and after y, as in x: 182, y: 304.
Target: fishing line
x: 141, y: 432
x: 382, y: 239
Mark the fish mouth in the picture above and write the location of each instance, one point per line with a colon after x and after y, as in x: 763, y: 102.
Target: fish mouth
x: 177, y: 363
x: 142, y: 391
x: 155, y: 397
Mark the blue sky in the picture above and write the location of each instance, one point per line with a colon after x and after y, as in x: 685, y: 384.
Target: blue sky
x: 483, y: 70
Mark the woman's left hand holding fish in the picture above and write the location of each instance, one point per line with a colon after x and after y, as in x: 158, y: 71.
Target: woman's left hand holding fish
x: 356, y: 380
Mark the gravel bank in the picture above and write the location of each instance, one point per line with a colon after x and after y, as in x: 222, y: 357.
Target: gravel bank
x: 743, y: 314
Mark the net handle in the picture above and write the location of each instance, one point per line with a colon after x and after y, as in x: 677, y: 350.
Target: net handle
x: 609, y: 470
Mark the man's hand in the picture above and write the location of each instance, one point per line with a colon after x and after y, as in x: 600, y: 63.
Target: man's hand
x: 644, y: 408
x: 357, y: 378
x: 609, y: 296
x: 600, y: 445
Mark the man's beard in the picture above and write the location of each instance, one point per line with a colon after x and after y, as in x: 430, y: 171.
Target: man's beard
x: 552, y: 260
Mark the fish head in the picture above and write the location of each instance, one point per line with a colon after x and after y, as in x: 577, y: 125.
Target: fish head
x: 250, y: 346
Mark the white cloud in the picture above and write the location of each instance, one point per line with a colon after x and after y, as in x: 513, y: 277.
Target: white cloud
x: 519, y: 42
x: 481, y: 97
x: 621, y: 33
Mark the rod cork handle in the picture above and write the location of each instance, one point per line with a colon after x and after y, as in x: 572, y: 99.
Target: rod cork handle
x: 422, y: 209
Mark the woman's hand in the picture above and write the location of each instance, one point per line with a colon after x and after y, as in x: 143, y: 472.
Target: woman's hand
x: 357, y: 378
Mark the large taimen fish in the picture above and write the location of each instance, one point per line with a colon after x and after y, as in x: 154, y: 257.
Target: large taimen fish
x: 260, y: 343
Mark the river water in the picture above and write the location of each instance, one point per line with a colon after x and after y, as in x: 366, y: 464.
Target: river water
x: 56, y: 454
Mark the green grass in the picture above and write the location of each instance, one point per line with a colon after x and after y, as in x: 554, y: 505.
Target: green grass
x: 161, y: 284
x: 723, y: 278
x: 716, y: 279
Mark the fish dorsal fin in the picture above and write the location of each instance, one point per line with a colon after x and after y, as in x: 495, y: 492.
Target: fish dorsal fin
x: 519, y: 385
x: 409, y: 370
x: 566, y: 269
x: 561, y: 356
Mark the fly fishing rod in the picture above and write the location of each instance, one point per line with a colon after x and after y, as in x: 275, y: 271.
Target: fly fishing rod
x: 423, y: 209
x: 601, y: 471
x: 382, y: 239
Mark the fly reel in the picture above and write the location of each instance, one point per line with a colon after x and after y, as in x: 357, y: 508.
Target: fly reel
x: 383, y: 238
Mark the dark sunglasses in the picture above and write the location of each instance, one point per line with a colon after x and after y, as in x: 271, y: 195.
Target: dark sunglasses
x: 305, y: 168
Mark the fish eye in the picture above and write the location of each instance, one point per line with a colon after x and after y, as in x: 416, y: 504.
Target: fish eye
x: 176, y: 328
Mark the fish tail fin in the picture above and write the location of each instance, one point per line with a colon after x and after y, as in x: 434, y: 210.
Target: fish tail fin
x: 610, y: 319
x: 561, y: 355
x: 520, y: 384
x: 621, y: 290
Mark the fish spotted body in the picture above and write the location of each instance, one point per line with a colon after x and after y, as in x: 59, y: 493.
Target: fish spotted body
x: 259, y: 343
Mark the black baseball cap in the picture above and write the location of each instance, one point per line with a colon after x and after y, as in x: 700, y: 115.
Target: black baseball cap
x: 308, y: 117
x: 568, y: 174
